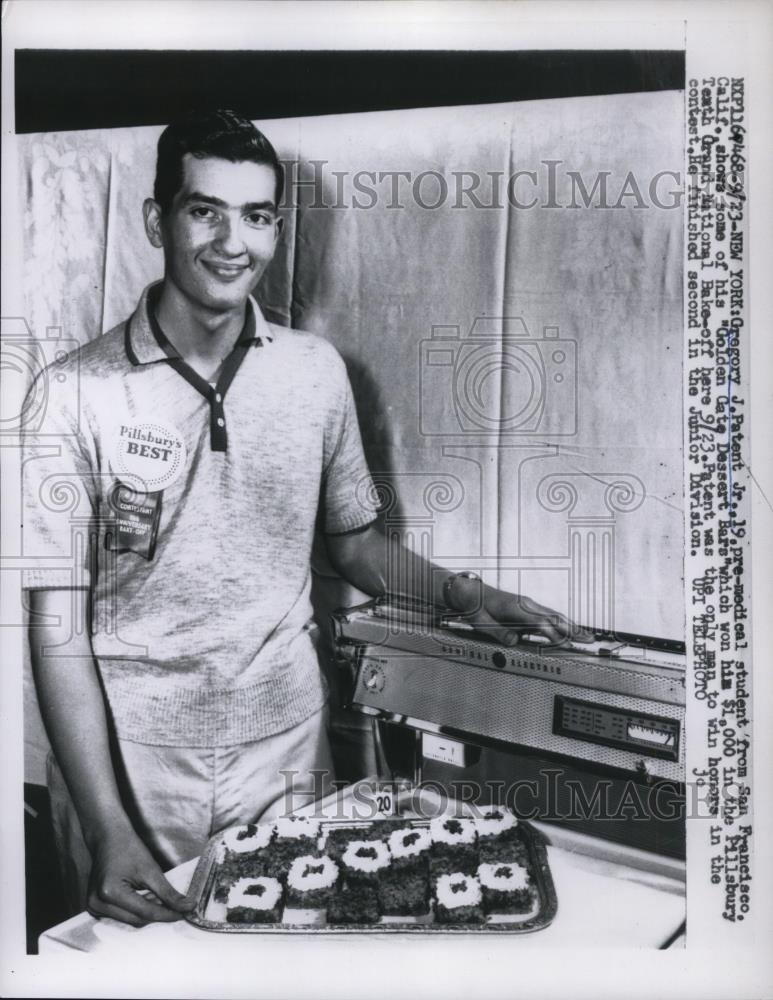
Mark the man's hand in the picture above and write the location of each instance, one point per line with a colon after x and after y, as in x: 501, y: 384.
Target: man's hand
x: 123, y: 867
x: 506, y: 617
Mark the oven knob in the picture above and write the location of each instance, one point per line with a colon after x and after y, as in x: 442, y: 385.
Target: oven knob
x: 374, y: 679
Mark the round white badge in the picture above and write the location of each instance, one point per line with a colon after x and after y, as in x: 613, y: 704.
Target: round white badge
x: 149, y: 451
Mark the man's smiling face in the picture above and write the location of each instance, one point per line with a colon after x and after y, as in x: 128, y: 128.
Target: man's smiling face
x: 220, y: 232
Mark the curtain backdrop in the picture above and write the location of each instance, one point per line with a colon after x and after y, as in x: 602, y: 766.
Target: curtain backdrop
x: 517, y: 370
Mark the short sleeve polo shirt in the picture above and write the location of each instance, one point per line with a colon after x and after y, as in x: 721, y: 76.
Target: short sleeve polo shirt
x: 207, y: 642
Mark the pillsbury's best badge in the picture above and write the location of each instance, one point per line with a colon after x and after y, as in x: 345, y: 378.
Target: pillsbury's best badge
x: 149, y: 454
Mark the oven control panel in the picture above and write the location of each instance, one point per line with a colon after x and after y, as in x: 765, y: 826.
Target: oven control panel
x: 650, y: 735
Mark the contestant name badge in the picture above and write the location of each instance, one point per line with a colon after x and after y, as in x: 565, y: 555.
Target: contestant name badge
x: 148, y: 454
x: 147, y: 457
x: 134, y: 522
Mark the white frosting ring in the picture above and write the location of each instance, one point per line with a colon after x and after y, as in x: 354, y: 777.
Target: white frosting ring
x: 495, y: 821
x: 370, y: 862
x: 299, y: 879
x: 461, y: 832
x: 239, y: 895
x: 466, y: 893
x: 490, y: 876
x: 297, y: 826
x: 419, y: 841
x: 240, y: 842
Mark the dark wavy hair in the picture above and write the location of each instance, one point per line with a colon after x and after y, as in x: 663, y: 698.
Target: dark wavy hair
x: 222, y: 133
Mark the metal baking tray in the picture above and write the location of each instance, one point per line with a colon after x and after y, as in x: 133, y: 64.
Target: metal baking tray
x: 211, y: 915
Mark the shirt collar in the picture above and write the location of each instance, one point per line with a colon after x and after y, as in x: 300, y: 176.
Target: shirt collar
x: 145, y: 342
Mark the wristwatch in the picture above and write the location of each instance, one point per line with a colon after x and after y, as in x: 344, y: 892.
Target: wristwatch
x: 449, y: 583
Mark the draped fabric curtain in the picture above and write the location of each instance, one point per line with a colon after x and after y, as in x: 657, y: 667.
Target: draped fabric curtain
x: 504, y: 283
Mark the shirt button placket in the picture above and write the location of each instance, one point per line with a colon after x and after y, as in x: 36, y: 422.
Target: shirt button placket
x: 218, y: 421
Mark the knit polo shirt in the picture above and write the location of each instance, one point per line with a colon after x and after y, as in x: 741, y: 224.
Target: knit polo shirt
x: 208, y: 642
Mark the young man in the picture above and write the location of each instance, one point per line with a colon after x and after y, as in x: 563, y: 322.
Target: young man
x: 172, y: 655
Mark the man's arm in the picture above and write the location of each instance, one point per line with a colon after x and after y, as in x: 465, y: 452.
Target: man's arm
x: 73, y: 709
x: 376, y: 566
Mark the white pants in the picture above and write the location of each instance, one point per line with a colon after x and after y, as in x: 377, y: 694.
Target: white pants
x: 179, y: 797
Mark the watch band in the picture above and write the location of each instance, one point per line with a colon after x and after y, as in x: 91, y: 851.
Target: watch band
x: 449, y: 583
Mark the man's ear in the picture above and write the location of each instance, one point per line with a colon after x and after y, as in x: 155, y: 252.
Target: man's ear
x: 151, y: 213
x: 280, y: 224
